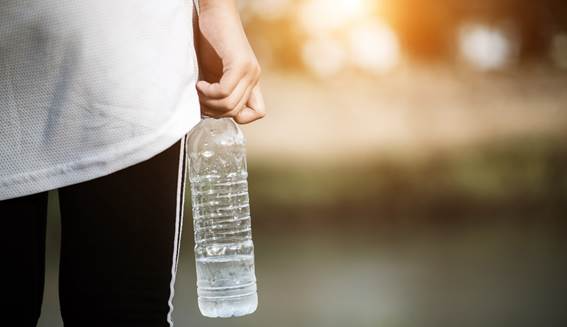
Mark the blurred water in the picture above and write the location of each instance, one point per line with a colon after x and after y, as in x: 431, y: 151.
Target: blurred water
x: 471, y: 274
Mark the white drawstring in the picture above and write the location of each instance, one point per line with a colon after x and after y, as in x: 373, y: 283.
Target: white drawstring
x: 196, y: 2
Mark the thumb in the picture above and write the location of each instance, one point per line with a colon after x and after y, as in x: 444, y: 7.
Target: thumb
x: 255, y: 108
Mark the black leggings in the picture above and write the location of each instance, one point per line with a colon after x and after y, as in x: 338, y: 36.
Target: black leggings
x: 119, y: 247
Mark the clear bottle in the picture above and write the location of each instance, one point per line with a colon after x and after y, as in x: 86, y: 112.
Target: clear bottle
x: 224, y: 252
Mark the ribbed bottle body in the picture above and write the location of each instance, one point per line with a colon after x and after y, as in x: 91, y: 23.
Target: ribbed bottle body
x: 224, y: 251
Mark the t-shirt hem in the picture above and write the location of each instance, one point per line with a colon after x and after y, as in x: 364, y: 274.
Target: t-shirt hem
x: 112, y: 159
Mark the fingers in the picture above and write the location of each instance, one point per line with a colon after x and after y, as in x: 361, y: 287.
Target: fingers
x: 255, y: 108
x: 225, y: 87
x: 235, y: 95
x: 240, y: 106
x: 235, y: 101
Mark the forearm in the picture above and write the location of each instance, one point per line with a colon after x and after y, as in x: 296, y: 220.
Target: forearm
x: 229, y: 69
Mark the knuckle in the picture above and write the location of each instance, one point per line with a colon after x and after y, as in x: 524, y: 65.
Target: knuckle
x: 255, y: 67
x: 224, y: 91
x: 241, y: 65
x: 249, y: 64
x: 255, y: 72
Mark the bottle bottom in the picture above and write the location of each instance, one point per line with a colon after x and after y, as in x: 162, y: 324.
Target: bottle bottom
x: 226, y: 307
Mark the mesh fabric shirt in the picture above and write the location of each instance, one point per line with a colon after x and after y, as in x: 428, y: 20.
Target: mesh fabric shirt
x: 89, y: 87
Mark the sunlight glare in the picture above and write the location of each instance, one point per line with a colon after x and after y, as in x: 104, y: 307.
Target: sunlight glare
x: 485, y: 47
x: 374, y: 46
x: 322, y: 16
x: 270, y: 9
x: 324, y: 56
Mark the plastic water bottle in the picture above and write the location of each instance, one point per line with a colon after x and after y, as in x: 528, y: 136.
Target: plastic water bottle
x: 224, y: 252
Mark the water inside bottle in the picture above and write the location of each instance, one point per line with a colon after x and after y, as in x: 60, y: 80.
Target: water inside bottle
x: 226, y: 286
x: 224, y: 251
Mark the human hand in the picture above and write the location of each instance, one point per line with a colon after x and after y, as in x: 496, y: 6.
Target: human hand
x: 229, y: 69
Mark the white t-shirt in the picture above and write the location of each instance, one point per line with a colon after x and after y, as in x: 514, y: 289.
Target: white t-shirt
x: 89, y: 87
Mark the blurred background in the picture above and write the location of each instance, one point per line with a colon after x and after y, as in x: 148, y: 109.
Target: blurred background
x: 412, y: 170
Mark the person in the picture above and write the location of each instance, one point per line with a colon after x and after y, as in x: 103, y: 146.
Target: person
x: 96, y: 100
